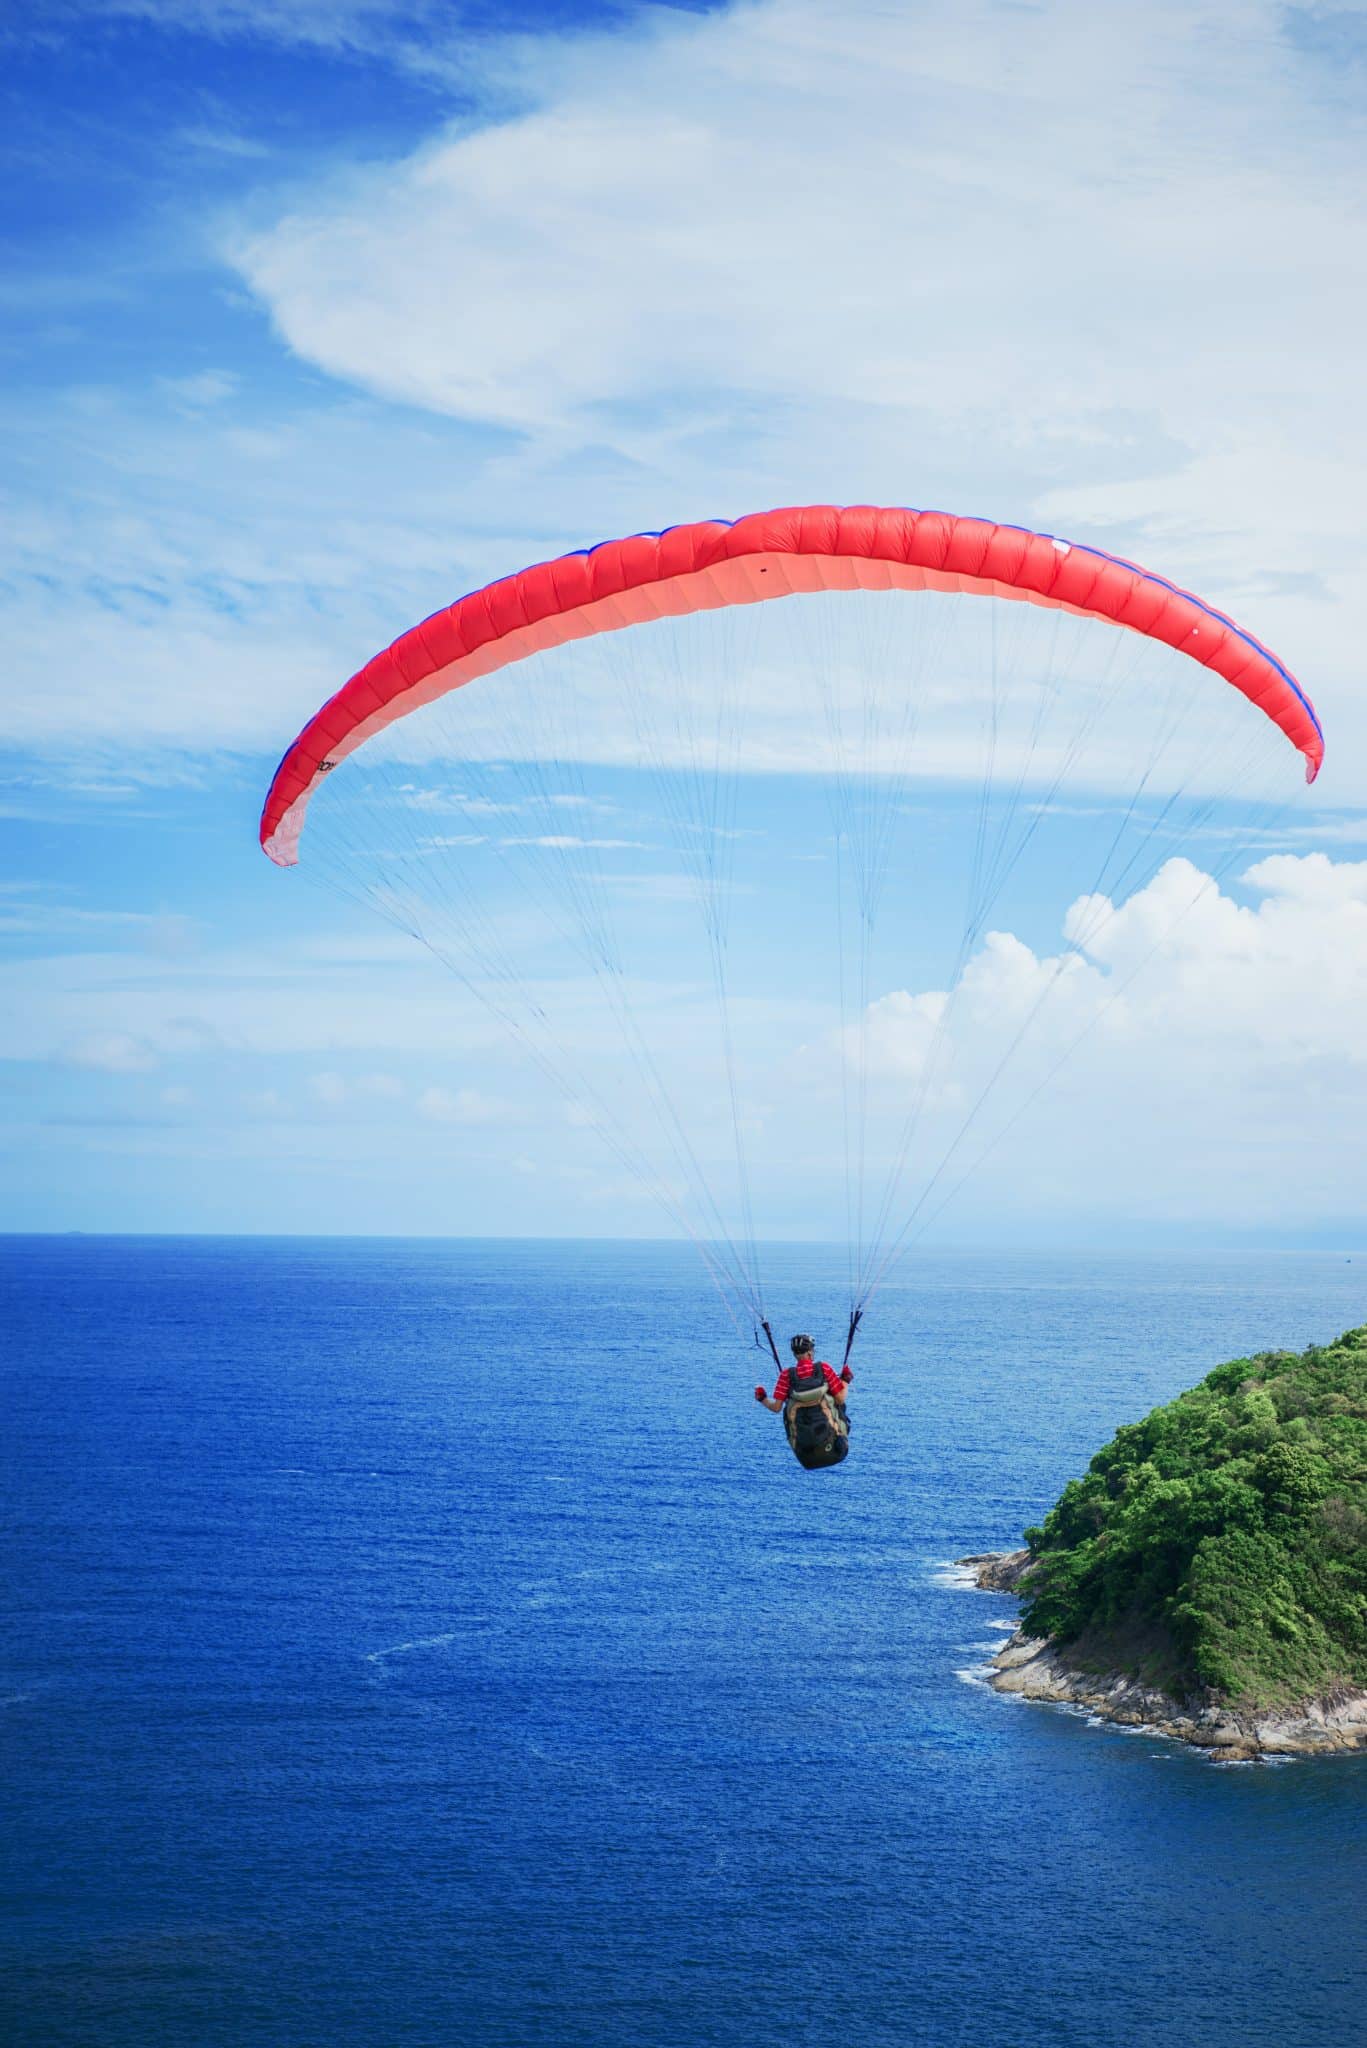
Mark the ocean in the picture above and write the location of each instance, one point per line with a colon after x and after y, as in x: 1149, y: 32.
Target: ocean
x: 419, y: 1642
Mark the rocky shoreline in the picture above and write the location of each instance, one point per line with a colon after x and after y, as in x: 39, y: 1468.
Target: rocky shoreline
x: 1035, y: 1669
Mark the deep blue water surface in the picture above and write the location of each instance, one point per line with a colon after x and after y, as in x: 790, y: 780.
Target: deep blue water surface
x: 427, y: 1643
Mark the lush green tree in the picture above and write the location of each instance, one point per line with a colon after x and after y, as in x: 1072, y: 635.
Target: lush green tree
x: 1221, y: 1543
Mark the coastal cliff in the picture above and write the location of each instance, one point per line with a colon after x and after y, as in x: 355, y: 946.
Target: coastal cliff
x: 1207, y: 1577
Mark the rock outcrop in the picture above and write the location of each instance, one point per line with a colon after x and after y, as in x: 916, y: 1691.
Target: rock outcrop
x: 998, y: 1571
x: 1037, y: 1669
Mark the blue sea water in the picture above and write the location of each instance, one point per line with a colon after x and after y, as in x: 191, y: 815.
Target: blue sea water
x: 427, y: 1643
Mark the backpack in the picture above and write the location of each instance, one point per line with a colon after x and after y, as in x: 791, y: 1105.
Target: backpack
x: 812, y: 1419
x: 806, y: 1383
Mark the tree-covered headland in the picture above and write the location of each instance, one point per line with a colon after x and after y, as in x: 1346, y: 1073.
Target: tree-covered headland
x: 1221, y: 1543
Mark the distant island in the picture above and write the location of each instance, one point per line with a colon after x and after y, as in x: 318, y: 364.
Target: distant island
x: 1207, y: 1578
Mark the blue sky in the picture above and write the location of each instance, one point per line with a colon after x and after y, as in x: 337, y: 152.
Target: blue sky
x: 317, y: 315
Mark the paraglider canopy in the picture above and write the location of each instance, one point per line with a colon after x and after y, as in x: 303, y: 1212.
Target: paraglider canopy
x: 764, y: 556
x: 962, y: 694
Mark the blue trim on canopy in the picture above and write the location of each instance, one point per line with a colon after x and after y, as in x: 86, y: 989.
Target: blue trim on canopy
x: 1031, y: 533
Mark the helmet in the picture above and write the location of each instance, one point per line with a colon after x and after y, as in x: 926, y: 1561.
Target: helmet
x: 802, y: 1347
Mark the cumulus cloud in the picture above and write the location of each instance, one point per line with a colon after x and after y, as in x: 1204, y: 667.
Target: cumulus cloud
x: 1191, y: 1054
x: 900, y: 1033
x: 1310, y: 878
x: 1192, y: 1049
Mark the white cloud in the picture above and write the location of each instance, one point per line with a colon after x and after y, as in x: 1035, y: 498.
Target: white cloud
x: 112, y: 1052
x: 44, y: 909
x: 332, y: 1090
x: 343, y: 26
x: 942, y: 202
x: 1012, y: 259
x: 1312, y: 879
x: 568, y: 842
x: 901, y: 1031
x: 183, y: 625
x: 463, y: 1106
x: 221, y: 142
x: 1200, y: 1056
x: 252, y: 1000
x: 205, y: 387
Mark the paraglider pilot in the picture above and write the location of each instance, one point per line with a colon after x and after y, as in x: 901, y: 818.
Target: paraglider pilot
x: 802, y: 1374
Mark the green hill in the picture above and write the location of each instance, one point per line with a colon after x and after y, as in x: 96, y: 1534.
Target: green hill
x: 1221, y: 1543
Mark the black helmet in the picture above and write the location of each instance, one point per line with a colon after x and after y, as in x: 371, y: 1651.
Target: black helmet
x: 802, y: 1347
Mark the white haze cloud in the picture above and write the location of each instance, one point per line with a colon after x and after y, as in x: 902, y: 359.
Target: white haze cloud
x: 1202, y: 1056
x: 1085, y: 267
x: 463, y: 1106
x: 601, y: 249
x: 1107, y: 244
x: 112, y: 1052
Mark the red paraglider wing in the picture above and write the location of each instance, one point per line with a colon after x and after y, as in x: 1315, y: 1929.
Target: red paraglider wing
x: 807, y: 548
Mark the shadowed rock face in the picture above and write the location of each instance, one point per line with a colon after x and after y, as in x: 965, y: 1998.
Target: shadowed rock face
x: 1037, y: 1669
x: 999, y: 1571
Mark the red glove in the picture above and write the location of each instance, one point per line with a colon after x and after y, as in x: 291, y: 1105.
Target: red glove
x: 847, y: 1375
x: 760, y: 1394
